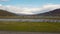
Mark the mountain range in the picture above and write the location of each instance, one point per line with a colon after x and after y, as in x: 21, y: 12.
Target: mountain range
x: 55, y: 12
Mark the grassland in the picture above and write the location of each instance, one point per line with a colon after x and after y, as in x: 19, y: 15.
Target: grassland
x: 30, y: 26
x: 30, y: 17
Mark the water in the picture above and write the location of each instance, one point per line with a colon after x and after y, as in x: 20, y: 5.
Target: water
x: 31, y: 20
x: 11, y: 32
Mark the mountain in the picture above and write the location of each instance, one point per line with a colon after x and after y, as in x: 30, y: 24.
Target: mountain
x: 55, y: 12
x: 6, y: 13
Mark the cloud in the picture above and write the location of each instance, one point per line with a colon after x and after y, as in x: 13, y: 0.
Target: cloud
x: 27, y: 10
x: 4, y: 0
x: 48, y: 7
x: 2, y: 7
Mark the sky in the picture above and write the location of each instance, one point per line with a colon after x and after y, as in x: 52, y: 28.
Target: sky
x: 29, y: 6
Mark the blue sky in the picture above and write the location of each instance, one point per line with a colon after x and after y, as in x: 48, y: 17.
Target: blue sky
x: 29, y: 6
x: 32, y: 3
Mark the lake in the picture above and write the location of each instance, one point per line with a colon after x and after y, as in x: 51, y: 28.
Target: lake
x: 31, y: 20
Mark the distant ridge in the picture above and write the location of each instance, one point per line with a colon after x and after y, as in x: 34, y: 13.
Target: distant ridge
x: 55, y: 12
x: 6, y: 13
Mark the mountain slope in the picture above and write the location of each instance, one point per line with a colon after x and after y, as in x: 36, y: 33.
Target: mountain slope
x: 6, y: 13
x: 55, y: 12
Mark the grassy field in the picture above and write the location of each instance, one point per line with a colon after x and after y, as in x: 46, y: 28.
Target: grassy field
x: 30, y: 26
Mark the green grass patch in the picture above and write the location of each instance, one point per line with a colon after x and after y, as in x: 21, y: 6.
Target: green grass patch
x: 30, y: 26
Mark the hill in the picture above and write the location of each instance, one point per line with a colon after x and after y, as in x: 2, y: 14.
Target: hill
x: 55, y: 12
x: 6, y: 13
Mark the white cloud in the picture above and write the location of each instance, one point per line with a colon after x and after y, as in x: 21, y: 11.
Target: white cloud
x: 2, y: 7
x: 4, y: 0
x: 49, y: 7
x: 20, y: 10
x: 27, y: 10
